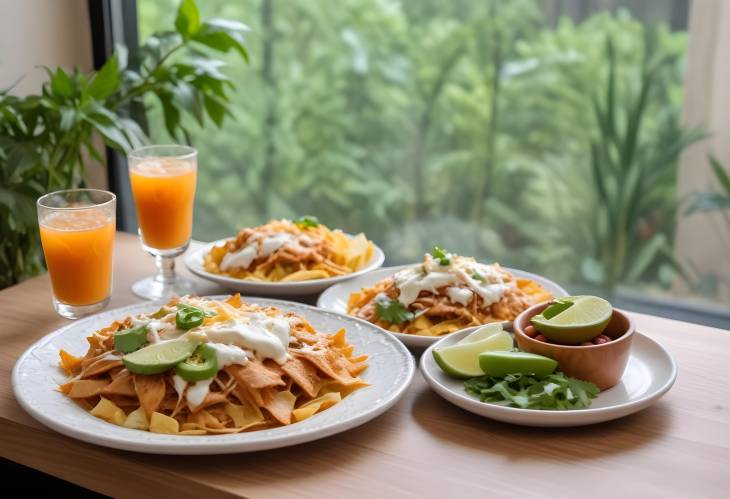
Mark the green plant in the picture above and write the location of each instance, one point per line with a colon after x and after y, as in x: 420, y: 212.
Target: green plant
x: 47, y: 139
x: 392, y: 117
x: 714, y: 200
x: 630, y: 168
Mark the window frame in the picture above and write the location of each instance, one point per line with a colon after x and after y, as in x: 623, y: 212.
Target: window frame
x: 114, y: 22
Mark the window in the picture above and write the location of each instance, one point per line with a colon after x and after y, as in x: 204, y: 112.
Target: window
x: 545, y: 135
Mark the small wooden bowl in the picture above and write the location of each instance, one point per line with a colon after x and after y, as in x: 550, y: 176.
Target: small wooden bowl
x: 602, y: 365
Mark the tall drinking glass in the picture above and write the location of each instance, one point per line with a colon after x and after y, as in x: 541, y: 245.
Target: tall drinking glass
x: 77, y: 233
x: 163, y: 185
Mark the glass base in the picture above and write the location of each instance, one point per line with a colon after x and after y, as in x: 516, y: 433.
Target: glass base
x: 156, y: 289
x: 78, y: 311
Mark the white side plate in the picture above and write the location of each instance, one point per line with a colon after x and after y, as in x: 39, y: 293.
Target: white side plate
x: 335, y: 298
x: 194, y: 262
x: 650, y: 373
x: 36, y: 377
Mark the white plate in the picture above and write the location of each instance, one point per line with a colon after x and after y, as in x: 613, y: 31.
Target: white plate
x: 650, y: 372
x: 194, y: 262
x: 335, y: 298
x: 36, y: 377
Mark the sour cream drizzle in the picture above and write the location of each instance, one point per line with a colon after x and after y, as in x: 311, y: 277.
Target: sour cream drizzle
x: 267, y: 336
x: 197, y: 392
x: 235, y: 342
x: 259, y: 246
x: 458, y: 275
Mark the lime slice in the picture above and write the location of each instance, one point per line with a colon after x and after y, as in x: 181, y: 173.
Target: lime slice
x: 500, y: 364
x: 483, y: 332
x: 574, y: 319
x: 158, y: 358
x: 462, y: 359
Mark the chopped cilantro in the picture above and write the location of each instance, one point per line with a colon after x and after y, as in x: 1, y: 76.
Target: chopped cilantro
x: 477, y: 277
x: 393, y: 311
x: 307, y: 221
x: 441, y: 255
x: 553, y: 392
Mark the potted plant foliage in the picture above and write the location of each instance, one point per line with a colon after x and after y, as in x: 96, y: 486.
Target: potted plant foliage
x: 47, y: 139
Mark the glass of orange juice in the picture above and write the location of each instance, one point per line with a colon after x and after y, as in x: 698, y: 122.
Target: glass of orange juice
x: 77, y: 233
x: 163, y: 185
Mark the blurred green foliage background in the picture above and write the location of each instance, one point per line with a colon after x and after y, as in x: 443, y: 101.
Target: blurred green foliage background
x: 492, y: 128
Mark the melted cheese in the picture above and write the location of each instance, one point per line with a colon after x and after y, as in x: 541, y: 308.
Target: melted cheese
x: 459, y: 276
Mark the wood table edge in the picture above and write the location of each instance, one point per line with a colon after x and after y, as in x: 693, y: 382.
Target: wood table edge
x: 95, y: 468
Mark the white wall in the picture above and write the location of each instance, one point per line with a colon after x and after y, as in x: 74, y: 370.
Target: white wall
x: 42, y: 32
x: 703, y: 240
x: 51, y: 33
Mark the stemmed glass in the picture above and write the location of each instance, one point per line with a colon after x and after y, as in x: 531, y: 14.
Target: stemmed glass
x: 163, y: 181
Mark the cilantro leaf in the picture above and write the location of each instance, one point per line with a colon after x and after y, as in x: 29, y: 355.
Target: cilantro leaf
x: 441, y: 255
x: 477, y: 277
x: 186, y: 307
x: 553, y: 392
x: 393, y: 311
x: 307, y: 221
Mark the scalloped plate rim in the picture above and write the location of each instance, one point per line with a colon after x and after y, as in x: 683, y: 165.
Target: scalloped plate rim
x: 217, y: 444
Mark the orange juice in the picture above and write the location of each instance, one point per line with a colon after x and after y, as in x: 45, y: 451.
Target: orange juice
x: 164, y: 192
x: 78, y: 249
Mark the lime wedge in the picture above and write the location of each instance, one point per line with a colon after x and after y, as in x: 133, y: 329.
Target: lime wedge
x: 159, y: 357
x: 462, y: 359
x: 485, y: 331
x: 500, y: 364
x: 574, y: 319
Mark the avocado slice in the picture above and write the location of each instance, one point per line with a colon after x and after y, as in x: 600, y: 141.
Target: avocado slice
x: 129, y: 340
x: 159, y: 357
x: 203, y: 364
x: 500, y: 364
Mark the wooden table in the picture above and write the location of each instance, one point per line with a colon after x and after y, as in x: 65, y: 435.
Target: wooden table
x: 423, y: 447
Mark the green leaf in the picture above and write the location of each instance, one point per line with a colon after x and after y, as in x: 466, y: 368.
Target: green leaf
x: 307, y: 221
x: 109, y: 129
x: 171, y: 115
x: 393, y: 311
x: 647, y: 254
x: 441, y: 255
x: 68, y: 118
x: 187, y: 21
x: 215, y: 109
x: 223, y: 35
x: 721, y: 175
x: 708, y: 201
x: 187, y: 98
x: 134, y: 133
x: 61, y: 84
x: 553, y: 392
x: 107, y: 80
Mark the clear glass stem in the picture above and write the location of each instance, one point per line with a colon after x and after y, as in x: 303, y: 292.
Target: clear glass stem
x: 165, y: 269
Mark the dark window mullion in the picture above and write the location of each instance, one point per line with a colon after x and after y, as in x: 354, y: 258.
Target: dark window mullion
x: 114, y: 22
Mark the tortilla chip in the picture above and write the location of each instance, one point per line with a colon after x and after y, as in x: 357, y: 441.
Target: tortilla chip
x: 84, y: 388
x: 121, y: 385
x: 279, y: 404
x: 255, y: 374
x: 304, y: 374
x: 244, y: 416
x: 150, y: 391
x: 313, y: 406
x: 69, y: 363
